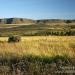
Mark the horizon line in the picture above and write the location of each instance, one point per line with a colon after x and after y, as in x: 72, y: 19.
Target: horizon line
x: 40, y: 18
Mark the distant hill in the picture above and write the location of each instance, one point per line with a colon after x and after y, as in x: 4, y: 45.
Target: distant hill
x: 54, y: 21
x: 29, y: 27
x: 30, y: 21
x: 16, y: 21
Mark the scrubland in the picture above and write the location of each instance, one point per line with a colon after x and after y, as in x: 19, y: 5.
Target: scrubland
x: 36, y: 55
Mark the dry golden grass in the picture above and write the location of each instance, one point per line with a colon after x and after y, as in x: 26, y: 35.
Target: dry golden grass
x: 38, y: 45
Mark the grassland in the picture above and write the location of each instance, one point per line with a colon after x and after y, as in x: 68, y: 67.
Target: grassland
x: 36, y: 55
x: 44, y: 49
x: 41, y: 46
x: 37, y: 29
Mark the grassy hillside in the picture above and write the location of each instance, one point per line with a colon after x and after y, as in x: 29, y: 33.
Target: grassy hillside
x: 37, y: 29
x: 30, y: 21
x: 37, y: 55
x: 47, y: 47
x: 28, y: 27
x: 16, y: 21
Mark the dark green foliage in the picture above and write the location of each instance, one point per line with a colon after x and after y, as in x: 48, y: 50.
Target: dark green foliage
x: 14, y: 38
x: 33, y: 65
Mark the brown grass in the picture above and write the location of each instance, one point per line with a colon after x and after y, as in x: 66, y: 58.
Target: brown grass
x: 39, y: 45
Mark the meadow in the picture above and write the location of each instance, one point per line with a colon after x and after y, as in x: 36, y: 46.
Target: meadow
x: 57, y: 29
x: 36, y: 55
x: 39, y: 46
x: 47, y: 47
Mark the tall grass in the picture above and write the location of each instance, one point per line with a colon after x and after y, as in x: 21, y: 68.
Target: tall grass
x: 37, y: 55
x: 39, y: 46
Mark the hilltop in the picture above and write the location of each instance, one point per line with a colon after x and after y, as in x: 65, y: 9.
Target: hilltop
x: 31, y: 21
x: 16, y: 21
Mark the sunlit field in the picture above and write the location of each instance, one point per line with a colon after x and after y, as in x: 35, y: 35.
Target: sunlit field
x: 39, y: 46
x: 37, y: 55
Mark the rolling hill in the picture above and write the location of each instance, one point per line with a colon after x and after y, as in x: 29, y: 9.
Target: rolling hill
x: 16, y: 21
x: 29, y: 27
x: 30, y: 21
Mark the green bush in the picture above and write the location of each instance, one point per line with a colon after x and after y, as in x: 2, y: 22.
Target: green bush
x: 14, y: 38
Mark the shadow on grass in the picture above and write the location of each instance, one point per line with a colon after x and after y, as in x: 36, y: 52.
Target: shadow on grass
x: 34, y: 65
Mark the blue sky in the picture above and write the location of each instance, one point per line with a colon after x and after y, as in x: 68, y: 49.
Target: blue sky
x: 38, y: 9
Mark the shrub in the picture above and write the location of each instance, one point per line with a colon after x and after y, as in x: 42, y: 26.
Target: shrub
x: 68, y: 21
x: 14, y: 38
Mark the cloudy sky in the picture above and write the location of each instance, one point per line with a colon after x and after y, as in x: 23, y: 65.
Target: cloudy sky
x: 38, y: 9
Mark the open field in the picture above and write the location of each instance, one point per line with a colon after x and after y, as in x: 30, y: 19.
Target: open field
x: 37, y: 55
x: 41, y: 46
x: 37, y: 29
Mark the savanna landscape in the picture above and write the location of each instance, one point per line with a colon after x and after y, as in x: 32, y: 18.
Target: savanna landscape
x: 37, y: 47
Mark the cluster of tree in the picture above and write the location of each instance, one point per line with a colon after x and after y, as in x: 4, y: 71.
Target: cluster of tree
x: 57, y: 33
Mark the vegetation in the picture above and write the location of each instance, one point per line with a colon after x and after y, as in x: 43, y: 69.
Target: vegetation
x: 38, y: 30
x: 37, y: 55
x: 14, y: 38
x: 26, y: 27
x: 33, y: 65
x: 68, y: 21
x: 47, y: 47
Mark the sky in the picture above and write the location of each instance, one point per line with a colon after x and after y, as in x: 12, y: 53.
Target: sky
x: 38, y: 9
